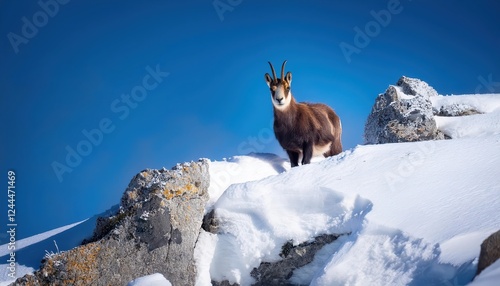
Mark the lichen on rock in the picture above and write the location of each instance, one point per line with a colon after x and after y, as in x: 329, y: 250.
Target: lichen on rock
x: 154, y: 231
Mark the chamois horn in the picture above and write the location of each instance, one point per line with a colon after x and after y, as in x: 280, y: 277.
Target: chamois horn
x: 272, y: 69
x: 283, y: 70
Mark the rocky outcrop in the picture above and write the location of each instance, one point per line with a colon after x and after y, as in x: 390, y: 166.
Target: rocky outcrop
x: 490, y: 252
x: 403, y: 114
x: 293, y: 257
x: 155, y: 231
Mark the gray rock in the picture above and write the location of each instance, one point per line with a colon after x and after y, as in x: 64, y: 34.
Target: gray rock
x: 155, y: 231
x: 457, y: 110
x: 293, y: 257
x: 210, y: 223
x: 416, y: 87
x: 490, y: 252
x: 403, y: 114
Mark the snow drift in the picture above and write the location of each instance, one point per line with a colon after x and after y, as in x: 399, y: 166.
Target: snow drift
x: 409, y: 213
x: 406, y: 213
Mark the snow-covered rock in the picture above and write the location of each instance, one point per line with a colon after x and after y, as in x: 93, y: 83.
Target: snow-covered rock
x: 474, y: 125
x: 416, y: 87
x: 456, y: 110
x: 403, y: 113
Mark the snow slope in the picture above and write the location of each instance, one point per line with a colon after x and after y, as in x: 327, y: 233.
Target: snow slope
x: 409, y: 213
x: 413, y: 213
x: 490, y: 276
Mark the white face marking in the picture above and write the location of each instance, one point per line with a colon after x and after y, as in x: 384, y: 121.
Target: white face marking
x: 280, y: 94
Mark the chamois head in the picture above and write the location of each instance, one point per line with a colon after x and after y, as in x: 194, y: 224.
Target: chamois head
x: 280, y: 87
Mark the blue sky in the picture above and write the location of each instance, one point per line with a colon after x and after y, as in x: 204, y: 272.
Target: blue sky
x: 196, y: 72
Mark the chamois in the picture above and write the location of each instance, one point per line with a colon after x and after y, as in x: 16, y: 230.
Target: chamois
x: 302, y: 129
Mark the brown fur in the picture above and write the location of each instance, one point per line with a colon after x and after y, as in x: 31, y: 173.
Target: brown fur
x: 302, y: 127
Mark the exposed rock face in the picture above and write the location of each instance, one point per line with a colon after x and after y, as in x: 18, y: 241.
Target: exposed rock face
x: 155, y: 231
x: 403, y: 114
x: 294, y: 257
x: 490, y: 252
x: 210, y: 223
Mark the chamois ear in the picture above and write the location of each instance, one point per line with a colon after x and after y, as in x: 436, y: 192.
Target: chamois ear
x: 268, y: 78
x: 288, y: 78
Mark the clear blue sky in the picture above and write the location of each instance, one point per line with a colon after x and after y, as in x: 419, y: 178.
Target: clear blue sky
x: 196, y: 70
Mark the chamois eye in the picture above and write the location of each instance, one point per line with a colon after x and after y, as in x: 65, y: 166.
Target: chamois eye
x: 273, y: 88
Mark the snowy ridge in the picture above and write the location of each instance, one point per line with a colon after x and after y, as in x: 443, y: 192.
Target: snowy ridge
x: 486, y: 103
x: 469, y: 126
x: 421, y: 203
x: 407, y: 213
x: 416, y: 212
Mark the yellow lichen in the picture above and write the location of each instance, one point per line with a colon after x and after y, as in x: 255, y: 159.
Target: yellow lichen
x: 188, y: 189
x: 145, y: 174
x: 132, y: 195
x: 83, y: 260
x: 80, y: 265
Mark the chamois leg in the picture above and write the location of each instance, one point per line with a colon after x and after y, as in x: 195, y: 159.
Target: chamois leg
x: 294, y: 158
x: 307, y: 153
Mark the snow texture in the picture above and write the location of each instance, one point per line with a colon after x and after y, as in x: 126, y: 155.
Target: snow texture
x: 411, y: 213
x: 489, y: 277
x: 468, y: 126
x: 156, y: 279
x: 416, y: 87
x: 420, y: 197
x: 408, y: 213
